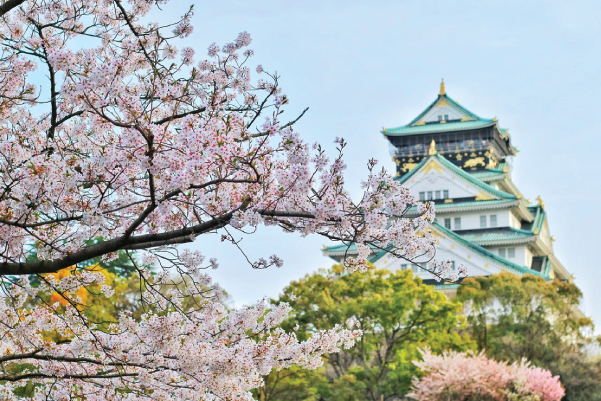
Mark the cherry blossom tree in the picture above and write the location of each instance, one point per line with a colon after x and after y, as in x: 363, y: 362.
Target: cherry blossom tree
x: 113, y: 139
x: 467, y: 376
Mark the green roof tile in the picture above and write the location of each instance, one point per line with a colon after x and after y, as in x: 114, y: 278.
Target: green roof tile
x: 436, y: 127
x: 413, y: 129
x: 468, y: 122
x: 492, y: 174
x: 468, y: 205
x: 488, y: 254
x: 475, y: 205
x: 539, y: 217
x: 337, y: 250
x: 502, y: 235
x: 453, y: 236
x: 449, y: 101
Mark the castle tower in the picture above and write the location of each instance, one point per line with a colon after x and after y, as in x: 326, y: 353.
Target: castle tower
x: 468, y: 141
x: 460, y: 161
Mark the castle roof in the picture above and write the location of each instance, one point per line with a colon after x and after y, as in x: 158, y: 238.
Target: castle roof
x: 377, y: 253
x: 445, y: 114
x: 441, y: 160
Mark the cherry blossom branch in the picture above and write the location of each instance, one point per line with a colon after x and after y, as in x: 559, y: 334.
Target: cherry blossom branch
x: 9, y: 5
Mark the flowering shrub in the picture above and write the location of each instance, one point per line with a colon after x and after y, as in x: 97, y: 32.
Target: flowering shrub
x: 468, y: 376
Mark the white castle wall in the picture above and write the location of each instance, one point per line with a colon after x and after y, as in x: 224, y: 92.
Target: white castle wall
x: 471, y: 220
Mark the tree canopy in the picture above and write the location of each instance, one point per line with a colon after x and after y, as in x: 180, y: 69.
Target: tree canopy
x: 514, y: 317
x: 397, y: 315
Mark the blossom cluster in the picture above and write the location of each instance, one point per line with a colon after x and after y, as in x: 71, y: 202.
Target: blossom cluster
x: 461, y: 376
x: 209, y: 354
x: 134, y: 145
x: 139, y: 149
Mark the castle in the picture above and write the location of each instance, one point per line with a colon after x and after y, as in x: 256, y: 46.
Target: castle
x: 462, y: 162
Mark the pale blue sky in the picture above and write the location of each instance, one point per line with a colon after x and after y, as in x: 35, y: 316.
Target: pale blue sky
x: 362, y: 65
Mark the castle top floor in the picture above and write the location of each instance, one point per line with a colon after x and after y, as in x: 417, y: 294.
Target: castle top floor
x: 469, y: 141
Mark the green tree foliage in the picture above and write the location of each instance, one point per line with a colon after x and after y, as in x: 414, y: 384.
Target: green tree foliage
x: 398, y: 315
x: 292, y: 384
x: 527, y: 317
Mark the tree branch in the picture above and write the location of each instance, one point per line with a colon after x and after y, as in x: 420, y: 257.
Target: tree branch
x: 114, y: 245
x: 9, y: 5
x: 178, y: 116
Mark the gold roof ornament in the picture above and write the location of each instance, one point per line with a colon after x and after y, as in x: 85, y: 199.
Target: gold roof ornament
x: 432, y: 150
x: 442, y: 91
x: 540, y: 202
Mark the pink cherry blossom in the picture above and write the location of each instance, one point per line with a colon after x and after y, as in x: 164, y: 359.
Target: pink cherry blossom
x: 464, y: 376
x: 127, y: 146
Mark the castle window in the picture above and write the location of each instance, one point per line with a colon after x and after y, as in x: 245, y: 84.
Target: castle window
x: 502, y: 252
x: 493, y: 220
x: 403, y: 267
x: 446, y: 117
x: 445, y: 194
x: 439, y: 118
x: 457, y: 223
x: 430, y: 195
x: 447, y: 223
x: 422, y: 196
x: 437, y: 195
x: 482, y: 221
x: 511, y: 252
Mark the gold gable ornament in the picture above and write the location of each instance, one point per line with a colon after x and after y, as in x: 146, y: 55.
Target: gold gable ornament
x: 482, y: 196
x: 408, y: 167
x: 474, y: 162
x: 432, y: 165
x: 432, y: 150
x: 442, y: 91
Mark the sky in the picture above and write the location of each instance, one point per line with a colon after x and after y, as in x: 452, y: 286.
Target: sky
x: 360, y: 66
